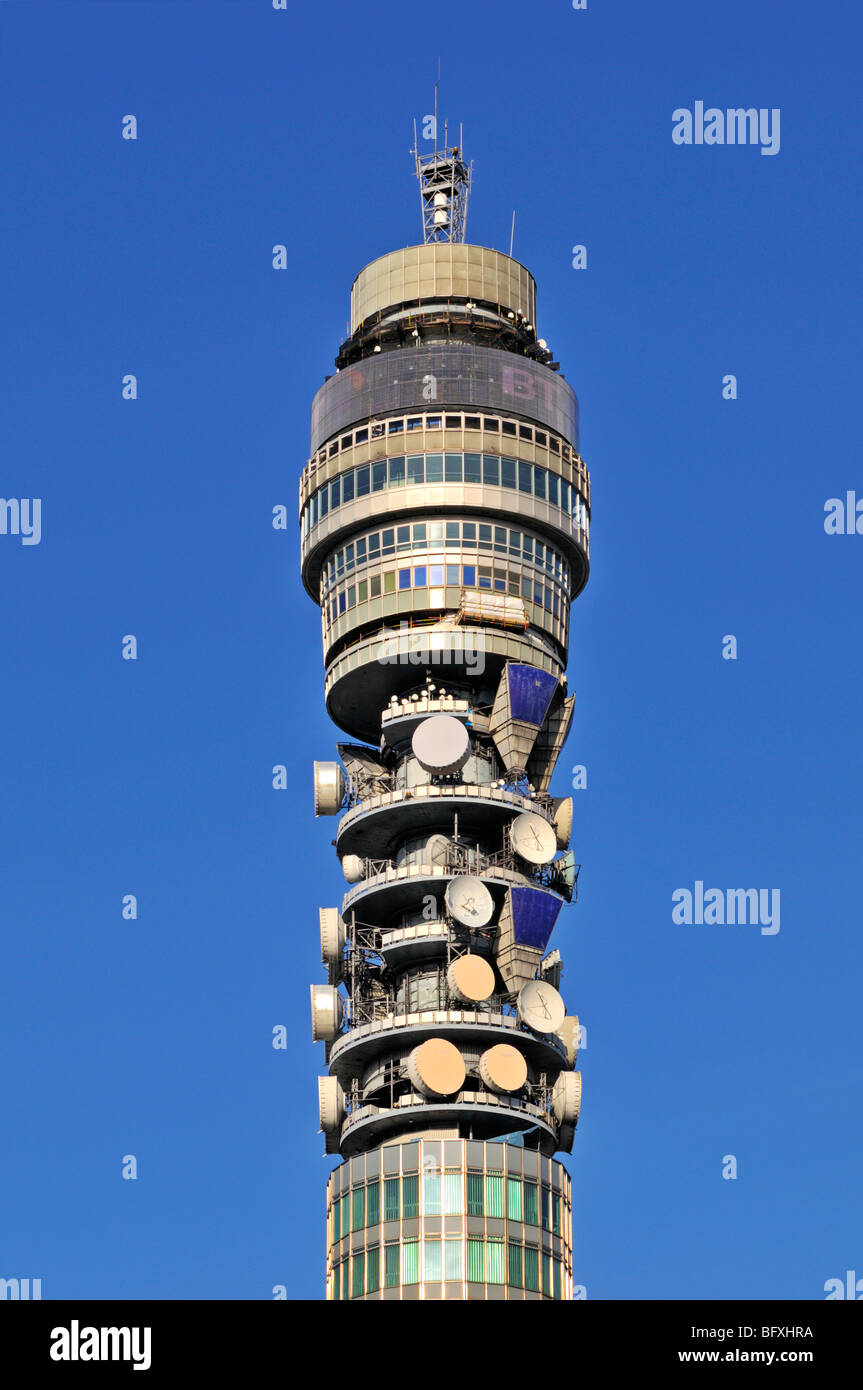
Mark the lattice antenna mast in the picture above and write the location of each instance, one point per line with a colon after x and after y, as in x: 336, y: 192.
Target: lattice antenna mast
x: 444, y: 180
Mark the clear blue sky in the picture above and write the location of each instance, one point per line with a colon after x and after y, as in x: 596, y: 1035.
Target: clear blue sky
x: 153, y: 777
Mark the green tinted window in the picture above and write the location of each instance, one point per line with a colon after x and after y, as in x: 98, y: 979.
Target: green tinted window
x: 494, y: 1194
x: 474, y: 1194
x: 410, y: 1196
x: 494, y: 1262
x: 358, y: 1272
x: 513, y: 1198
x: 411, y: 1262
x: 373, y: 1269
x: 391, y: 1266
x: 373, y: 1204
x: 358, y: 1208
x: 530, y: 1212
x: 475, y: 1261
x: 391, y: 1199
x: 515, y: 1274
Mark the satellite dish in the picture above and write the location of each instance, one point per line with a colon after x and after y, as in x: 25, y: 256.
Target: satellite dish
x: 326, y: 1013
x: 569, y: 1033
x: 329, y: 788
x: 533, y: 838
x: 540, y: 1007
x: 470, y: 978
x: 562, y: 817
x: 441, y: 744
x: 566, y: 1097
x: 436, y: 1068
x: 353, y: 868
x: 332, y: 936
x: 503, y: 1069
x: 469, y: 901
x: 436, y: 851
x: 331, y: 1103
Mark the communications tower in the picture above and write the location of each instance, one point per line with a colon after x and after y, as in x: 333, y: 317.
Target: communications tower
x: 444, y: 514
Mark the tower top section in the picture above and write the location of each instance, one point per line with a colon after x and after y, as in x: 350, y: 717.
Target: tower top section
x: 444, y: 180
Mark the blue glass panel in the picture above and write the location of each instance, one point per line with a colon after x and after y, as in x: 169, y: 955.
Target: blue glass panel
x: 534, y: 914
x: 530, y: 692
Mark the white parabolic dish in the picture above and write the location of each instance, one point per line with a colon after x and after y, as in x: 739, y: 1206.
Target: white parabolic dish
x: 469, y: 901
x: 441, y: 744
x: 533, y: 838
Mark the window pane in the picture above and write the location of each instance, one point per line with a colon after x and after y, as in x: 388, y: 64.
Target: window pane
x: 554, y: 489
x: 388, y: 541
x: 375, y: 585
x: 513, y: 1198
x: 379, y: 476
x: 432, y: 1260
x: 454, y: 1259
x: 403, y: 537
x: 525, y: 481
x: 546, y: 1209
x: 557, y: 1278
x: 336, y: 492
x: 416, y: 468
x: 546, y: 1275
x: 491, y: 470
x: 396, y: 426
x: 358, y: 1213
x: 420, y: 576
x: 435, y: 574
x: 452, y: 574
x: 431, y: 1195
x: 475, y: 1261
x: 358, y: 1274
x: 391, y: 1265
x: 404, y: 579
x: 397, y: 472
x: 410, y: 1196
x: 538, y: 481
x: 363, y: 478
x: 494, y: 1262
x: 374, y: 546
x: 531, y: 1269
x: 484, y: 537
x: 530, y: 1203
x: 418, y: 531
x: 373, y: 1269
x: 391, y: 1199
x: 337, y: 1221
x: 555, y: 1213
x: 373, y: 1204
x: 564, y: 495
x: 325, y: 500
x: 452, y: 534
x: 434, y: 468
x: 515, y: 1275
x: 473, y: 468
x: 453, y: 469
x: 453, y: 1199
x: 474, y: 1194
x: 494, y: 1194
x: 411, y: 1261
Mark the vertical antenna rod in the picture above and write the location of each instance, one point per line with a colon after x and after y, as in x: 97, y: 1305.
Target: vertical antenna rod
x: 445, y: 181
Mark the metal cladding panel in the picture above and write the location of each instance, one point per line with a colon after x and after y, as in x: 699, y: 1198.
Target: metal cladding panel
x: 464, y: 375
x: 530, y: 692
x: 534, y: 914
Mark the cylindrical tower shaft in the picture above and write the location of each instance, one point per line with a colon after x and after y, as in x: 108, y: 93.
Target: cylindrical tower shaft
x: 444, y: 517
